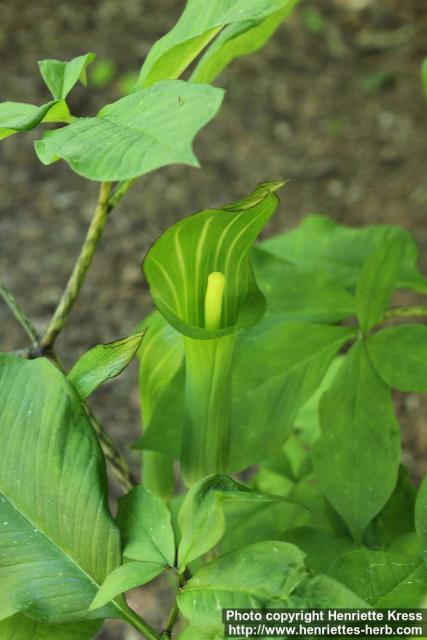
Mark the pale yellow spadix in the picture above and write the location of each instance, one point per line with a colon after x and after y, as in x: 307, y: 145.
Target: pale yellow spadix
x: 213, y: 300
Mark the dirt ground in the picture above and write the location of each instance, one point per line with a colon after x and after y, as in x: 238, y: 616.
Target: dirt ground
x: 334, y: 103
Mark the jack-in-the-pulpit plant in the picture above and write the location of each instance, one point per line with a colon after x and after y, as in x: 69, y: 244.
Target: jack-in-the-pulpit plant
x: 276, y: 358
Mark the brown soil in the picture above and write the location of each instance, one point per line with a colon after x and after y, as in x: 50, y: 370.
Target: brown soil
x: 336, y: 105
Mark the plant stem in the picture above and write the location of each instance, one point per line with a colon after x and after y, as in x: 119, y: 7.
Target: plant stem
x: 19, y: 314
x: 167, y: 631
x: 405, y: 312
x: 139, y: 624
x: 81, y: 267
x: 206, y: 432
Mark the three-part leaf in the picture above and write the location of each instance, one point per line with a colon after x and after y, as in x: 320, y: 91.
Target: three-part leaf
x: 357, y: 420
x: 57, y: 538
x: 101, y: 363
x: 137, y: 134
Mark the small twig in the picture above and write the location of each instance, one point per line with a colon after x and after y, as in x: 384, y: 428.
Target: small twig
x: 405, y: 312
x: 81, y: 267
x: 19, y: 314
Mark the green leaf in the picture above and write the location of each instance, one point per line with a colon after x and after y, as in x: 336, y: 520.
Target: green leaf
x: 135, y: 135
x: 357, y: 420
x: 421, y: 517
x: 19, y: 116
x: 320, y: 244
x: 274, y: 374
x: 307, y: 421
x: 145, y: 524
x: 385, y: 580
x: 399, y: 354
x: 293, y: 293
x: 397, y: 517
x: 101, y: 363
x: 377, y: 281
x: 323, y: 592
x: 19, y: 627
x: 198, y: 24
x: 201, y: 517
x: 216, y: 240
x: 322, y: 547
x: 246, y: 578
x: 239, y: 39
x: 60, y: 77
x: 124, y: 578
x: 61, y: 541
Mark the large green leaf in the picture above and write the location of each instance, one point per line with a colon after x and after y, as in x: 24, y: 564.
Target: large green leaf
x: 399, y: 354
x: 293, y: 293
x: 135, y: 135
x: 357, y: 421
x: 216, y: 240
x: 383, y: 579
x: 275, y: 373
x: 57, y: 539
x: 319, y: 243
x: 377, y: 280
x: 20, y: 627
x: 61, y: 77
x: 101, y: 363
x: 246, y: 578
x: 239, y: 39
x: 198, y: 24
x: 19, y: 116
x: 145, y: 524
